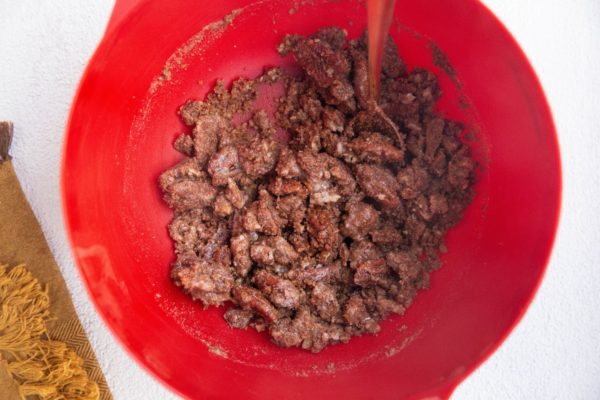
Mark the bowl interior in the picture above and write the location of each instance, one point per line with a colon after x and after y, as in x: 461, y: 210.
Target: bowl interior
x: 120, y: 137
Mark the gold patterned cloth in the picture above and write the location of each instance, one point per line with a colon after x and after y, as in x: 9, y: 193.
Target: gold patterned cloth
x: 44, y: 352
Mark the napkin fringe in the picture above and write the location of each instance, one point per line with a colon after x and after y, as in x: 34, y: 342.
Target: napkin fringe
x: 40, y: 366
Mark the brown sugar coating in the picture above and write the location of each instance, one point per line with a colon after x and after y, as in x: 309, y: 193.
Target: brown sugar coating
x: 318, y: 234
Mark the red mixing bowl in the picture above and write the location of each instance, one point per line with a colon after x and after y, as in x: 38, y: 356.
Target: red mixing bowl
x: 119, y: 139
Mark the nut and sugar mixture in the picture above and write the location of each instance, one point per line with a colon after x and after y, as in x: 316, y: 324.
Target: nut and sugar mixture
x: 316, y: 222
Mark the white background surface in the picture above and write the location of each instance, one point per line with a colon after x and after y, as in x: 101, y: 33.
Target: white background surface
x: 553, y: 354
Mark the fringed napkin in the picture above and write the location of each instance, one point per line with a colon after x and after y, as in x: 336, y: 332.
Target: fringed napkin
x: 44, y: 352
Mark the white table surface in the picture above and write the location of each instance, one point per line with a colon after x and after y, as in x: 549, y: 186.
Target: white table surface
x: 554, y: 353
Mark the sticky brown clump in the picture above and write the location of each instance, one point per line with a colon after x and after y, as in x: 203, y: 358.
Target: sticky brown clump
x: 317, y: 234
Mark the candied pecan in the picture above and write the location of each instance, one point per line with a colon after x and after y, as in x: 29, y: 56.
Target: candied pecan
x: 379, y: 184
x: 280, y: 291
x: 371, y: 272
x: 252, y: 299
x: 206, y: 136
x: 361, y: 218
x: 237, y: 318
x: 413, y: 180
x: 374, y: 148
x: 287, y: 166
x: 224, y: 165
x: 184, y: 144
x: 259, y: 156
x: 363, y: 250
x: 203, y: 280
x: 240, y: 249
x: 356, y: 314
x: 323, y: 298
